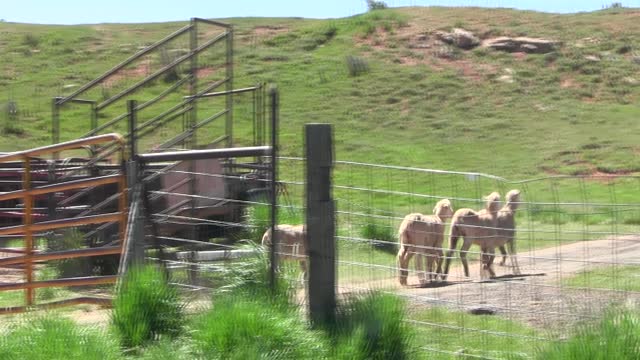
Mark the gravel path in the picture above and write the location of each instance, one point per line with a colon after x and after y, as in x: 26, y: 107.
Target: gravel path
x: 538, y: 296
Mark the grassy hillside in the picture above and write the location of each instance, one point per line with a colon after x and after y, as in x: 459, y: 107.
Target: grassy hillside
x: 572, y: 111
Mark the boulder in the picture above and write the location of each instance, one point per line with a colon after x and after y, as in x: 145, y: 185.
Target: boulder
x: 459, y: 38
x: 464, y: 39
x: 521, y: 44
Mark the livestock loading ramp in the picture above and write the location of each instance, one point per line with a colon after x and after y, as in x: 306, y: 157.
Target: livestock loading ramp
x: 174, y: 94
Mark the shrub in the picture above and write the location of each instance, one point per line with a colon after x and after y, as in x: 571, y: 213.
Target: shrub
x: 250, y: 280
x: 146, y: 308
x: 238, y: 328
x: 376, y: 5
x: 383, y: 236
x: 69, y: 239
x: 56, y: 338
x: 356, y: 65
x: 372, y: 327
x: 30, y: 40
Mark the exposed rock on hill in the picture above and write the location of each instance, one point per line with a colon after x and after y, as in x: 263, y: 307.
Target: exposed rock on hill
x: 521, y: 44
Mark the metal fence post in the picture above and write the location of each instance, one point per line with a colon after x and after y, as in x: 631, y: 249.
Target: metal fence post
x: 273, y: 93
x: 320, y: 223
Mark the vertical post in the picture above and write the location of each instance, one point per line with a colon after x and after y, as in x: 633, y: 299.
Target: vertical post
x: 55, y: 124
x: 133, y: 125
x: 229, y: 87
x: 94, y: 118
x: 191, y: 144
x: 28, y: 234
x: 320, y: 223
x: 136, y: 237
x: 55, y: 121
x: 273, y: 94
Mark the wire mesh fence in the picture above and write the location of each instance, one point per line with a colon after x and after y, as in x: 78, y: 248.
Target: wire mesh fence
x: 576, y: 239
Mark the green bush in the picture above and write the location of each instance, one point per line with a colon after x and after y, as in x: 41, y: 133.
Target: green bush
x: 146, y: 308
x: 56, y: 338
x: 617, y: 336
x: 238, y: 328
x: 372, y: 327
x: 250, y: 280
x: 384, y: 234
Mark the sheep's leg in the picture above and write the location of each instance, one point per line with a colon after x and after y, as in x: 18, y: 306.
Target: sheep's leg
x: 404, y: 256
x: 439, y: 255
x: 491, y: 255
x: 453, y: 243
x: 304, y: 273
x: 420, y: 266
x: 463, y: 256
x: 430, y: 260
x: 514, y: 257
x: 503, y: 251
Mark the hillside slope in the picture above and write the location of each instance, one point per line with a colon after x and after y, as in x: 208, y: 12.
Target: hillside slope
x: 571, y: 111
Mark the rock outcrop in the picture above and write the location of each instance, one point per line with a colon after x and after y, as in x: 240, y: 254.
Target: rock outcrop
x: 459, y: 37
x: 521, y: 44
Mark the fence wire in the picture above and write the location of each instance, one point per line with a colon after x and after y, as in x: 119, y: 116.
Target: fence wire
x: 577, y: 241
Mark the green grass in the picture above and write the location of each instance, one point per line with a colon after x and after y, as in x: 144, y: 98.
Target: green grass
x: 490, y: 336
x: 617, y: 336
x: 52, y: 337
x: 623, y: 277
x: 146, y: 308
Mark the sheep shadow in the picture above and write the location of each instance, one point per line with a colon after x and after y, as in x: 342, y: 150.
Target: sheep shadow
x: 510, y: 277
x: 439, y: 284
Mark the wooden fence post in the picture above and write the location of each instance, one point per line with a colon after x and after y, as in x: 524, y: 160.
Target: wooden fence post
x: 320, y: 223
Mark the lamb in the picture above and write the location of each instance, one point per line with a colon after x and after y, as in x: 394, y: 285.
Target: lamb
x: 423, y: 235
x: 291, y: 244
x: 506, y: 229
x: 476, y: 228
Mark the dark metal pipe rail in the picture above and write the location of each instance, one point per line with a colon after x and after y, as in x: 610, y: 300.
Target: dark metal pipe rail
x: 134, y: 57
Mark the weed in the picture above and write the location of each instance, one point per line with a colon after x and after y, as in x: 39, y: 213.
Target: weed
x: 146, y: 308
x: 371, y: 326
x: 30, y: 40
x: 356, y: 65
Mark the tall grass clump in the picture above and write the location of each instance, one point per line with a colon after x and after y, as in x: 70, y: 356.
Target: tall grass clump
x: 372, y: 327
x: 242, y: 328
x: 56, y: 338
x: 251, y: 320
x: 383, y: 236
x: 146, y: 308
x: 617, y: 336
x: 250, y: 280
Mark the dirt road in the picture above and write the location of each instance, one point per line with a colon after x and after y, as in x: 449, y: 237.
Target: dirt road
x: 538, y: 296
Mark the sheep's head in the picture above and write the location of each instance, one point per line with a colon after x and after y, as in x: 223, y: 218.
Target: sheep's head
x: 513, y: 198
x: 492, y: 202
x: 443, y: 209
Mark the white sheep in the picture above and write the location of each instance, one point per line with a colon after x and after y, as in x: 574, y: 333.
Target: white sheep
x: 291, y: 244
x: 476, y: 228
x: 423, y: 235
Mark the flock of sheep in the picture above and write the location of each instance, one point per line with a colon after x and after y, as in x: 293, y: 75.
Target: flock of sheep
x: 422, y: 236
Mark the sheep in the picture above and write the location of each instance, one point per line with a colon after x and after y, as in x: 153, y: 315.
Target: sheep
x: 506, y: 229
x: 291, y: 244
x: 423, y: 235
x: 476, y: 228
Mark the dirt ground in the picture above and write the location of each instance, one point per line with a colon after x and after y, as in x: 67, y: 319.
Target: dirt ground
x: 537, y: 296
